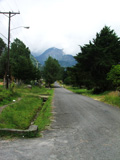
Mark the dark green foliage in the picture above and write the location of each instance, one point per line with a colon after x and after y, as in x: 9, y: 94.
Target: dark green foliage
x: 52, y: 70
x: 96, y: 59
x: 69, y: 76
x: 2, y: 46
x: 3, y: 58
x: 3, y: 64
x: 21, y: 65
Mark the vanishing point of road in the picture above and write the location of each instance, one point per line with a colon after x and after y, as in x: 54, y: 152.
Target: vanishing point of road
x: 82, y: 129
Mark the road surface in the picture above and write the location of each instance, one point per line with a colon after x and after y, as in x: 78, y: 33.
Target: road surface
x: 82, y: 129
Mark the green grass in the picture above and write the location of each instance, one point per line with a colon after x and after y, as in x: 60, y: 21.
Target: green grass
x: 43, y: 118
x: 110, y: 97
x: 79, y: 91
x: 35, y: 90
x: 20, y: 114
x: 7, y: 96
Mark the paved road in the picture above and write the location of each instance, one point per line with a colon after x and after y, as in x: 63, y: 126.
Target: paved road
x: 83, y: 129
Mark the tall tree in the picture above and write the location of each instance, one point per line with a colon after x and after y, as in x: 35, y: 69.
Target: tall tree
x: 21, y: 65
x: 96, y: 58
x: 52, y: 70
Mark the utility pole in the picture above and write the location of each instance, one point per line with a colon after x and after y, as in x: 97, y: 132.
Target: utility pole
x: 10, y: 14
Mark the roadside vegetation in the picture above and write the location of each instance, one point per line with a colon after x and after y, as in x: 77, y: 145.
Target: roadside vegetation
x: 97, y: 69
x: 20, y: 113
x: 7, y: 96
x: 43, y: 119
x: 98, y: 64
x: 20, y: 105
x: 110, y: 97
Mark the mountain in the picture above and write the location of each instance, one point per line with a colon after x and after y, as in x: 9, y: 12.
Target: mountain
x: 64, y: 60
x: 35, y: 62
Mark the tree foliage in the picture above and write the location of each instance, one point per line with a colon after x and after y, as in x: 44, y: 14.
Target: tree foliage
x: 52, y: 71
x: 3, y: 60
x: 21, y: 66
x: 2, y: 46
x: 114, y: 75
x: 96, y: 59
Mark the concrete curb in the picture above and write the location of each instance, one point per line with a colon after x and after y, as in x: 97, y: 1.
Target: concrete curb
x: 32, y: 130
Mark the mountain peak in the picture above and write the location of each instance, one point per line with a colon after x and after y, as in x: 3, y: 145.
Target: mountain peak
x: 58, y: 54
x: 53, y: 50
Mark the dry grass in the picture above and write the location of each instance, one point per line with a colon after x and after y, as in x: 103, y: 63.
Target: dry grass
x: 114, y: 93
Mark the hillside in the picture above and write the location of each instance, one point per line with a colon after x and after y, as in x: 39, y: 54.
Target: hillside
x: 64, y: 60
x: 34, y: 61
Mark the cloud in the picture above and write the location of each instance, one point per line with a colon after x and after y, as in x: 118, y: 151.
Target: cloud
x: 60, y: 23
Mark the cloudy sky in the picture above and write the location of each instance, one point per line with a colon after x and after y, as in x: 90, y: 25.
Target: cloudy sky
x: 64, y: 24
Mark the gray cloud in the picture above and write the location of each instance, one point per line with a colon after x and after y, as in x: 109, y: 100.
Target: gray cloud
x: 59, y: 23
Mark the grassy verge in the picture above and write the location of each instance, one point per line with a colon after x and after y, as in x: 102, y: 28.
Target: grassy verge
x: 7, y: 96
x: 110, y: 97
x: 43, y: 118
x: 20, y: 114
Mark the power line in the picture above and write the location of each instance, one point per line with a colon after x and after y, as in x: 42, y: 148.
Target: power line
x: 15, y: 2
x: 4, y: 36
x: 9, y: 5
x: 15, y: 21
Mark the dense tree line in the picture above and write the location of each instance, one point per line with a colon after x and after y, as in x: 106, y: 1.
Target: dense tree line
x: 97, y: 64
x: 95, y: 61
x: 21, y: 66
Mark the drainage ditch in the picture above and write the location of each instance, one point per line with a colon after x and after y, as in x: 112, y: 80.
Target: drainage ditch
x: 31, y: 131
